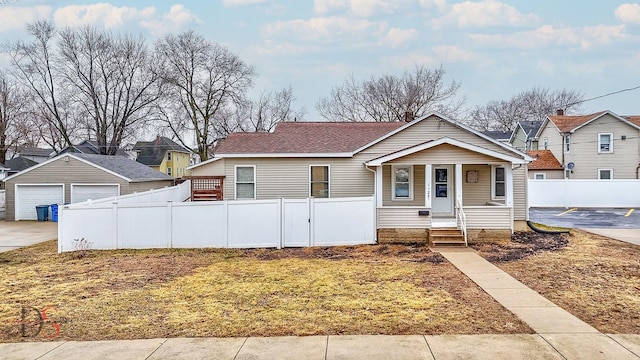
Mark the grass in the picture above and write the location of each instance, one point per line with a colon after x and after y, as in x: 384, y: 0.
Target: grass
x: 130, y: 294
x: 595, y: 278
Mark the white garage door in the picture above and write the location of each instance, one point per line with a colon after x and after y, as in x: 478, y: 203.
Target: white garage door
x: 29, y: 196
x: 84, y: 192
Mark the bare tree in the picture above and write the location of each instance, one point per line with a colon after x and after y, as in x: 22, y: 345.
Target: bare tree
x: 205, y: 81
x: 263, y: 114
x: 391, y: 98
x: 35, y: 65
x: 12, y: 115
x: 529, y: 105
x: 112, y: 81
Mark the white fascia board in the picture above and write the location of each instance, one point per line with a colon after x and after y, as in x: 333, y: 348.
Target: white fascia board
x: 208, y: 161
x: 288, y: 155
x: 424, y: 146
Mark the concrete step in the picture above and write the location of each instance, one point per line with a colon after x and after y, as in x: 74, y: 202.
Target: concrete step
x: 446, y: 237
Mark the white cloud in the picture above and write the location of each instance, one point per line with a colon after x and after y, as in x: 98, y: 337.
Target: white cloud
x: 547, y: 35
x: 628, y: 13
x: 177, y: 18
x: 326, y: 29
x: 399, y: 37
x: 407, y: 61
x: 486, y: 13
x: 360, y: 8
x: 439, y: 4
x: 14, y: 17
x: 454, y: 54
x: 106, y: 14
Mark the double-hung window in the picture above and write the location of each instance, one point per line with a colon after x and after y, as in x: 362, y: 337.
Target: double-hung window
x: 605, y: 143
x: 319, y: 181
x: 499, y: 187
x: 169, y: 171
x: 567, y: 143
x: 545, y: 143
x: 402, y: 187
x: 245, y: 182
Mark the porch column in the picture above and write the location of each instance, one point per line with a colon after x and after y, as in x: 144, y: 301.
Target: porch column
x: 378, y: 184
x: 458, y: 185
x: 508, y: 182
x: 428, y: 169
x: 508, y: 198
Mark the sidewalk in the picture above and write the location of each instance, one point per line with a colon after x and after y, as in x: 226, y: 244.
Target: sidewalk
x: 631, y: 236
x: 361, y: 347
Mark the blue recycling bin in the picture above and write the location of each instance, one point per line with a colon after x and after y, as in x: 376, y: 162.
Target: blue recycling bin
x: 54, y: 212
x: 43, y: 212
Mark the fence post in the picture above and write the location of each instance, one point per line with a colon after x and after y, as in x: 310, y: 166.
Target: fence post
x: 114, y: 216
x: 226, y: 224
x: 61, y: 238
x: 312, y: 231
x: 282, y: 215
x: 170, y: 222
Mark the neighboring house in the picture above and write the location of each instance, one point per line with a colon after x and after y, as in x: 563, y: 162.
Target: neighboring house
x: 18, y: 164
x: 602, y: 145
x: 90, y: 147
x: 523, y: 136
x: 164, y: 155
x: 36, y: 154
x: 3, y: 171
x: 74, y: 177
x: 418, y: 172
x: 544, y: 165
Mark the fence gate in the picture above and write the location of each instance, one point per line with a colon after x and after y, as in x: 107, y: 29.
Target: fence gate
x: 295, y: 223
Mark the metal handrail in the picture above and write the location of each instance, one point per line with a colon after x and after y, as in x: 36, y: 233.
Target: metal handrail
x: 461, y: 221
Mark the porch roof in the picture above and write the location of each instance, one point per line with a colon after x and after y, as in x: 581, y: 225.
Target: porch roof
x: 445, y: 140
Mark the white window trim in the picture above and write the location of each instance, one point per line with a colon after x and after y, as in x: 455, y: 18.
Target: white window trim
x: 610, y: 144
x: 493, y: 182
x: 607, y: 169
x: 393, y: 183
x: 328, y: 178
x: 544, y: 176
x: 235, y: 182
x: 567, y: 144
x: 545, y: 143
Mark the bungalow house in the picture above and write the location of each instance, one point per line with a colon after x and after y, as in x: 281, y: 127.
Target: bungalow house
x: 424, y: 174
x: 164, y: 155
x: 36, y: 154
x: 601, y: 145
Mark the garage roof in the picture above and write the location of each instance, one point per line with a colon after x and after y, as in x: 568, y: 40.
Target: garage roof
x: 120, y: 166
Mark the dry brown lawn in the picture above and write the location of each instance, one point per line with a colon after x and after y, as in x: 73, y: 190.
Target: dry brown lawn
x: 595, y: 278
x: 131, y: 294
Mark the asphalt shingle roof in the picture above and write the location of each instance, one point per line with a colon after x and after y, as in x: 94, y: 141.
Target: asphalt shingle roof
x: 566, y: 123
x: 307, y: 137
x: 498, y: 134
x: 152, y: 152
x: 530, y: 127
x: 130, y: 169
x: 32, y: 151
x: 19, y: 163
x: 543, y: 160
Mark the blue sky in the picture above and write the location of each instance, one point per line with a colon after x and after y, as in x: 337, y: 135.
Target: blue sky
x: 495, y: 49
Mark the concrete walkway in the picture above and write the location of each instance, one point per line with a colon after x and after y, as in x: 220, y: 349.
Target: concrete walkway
x: 17, y: 234
x: 570, y: 336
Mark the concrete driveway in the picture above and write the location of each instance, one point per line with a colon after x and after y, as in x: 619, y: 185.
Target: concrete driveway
x: 17, y: 234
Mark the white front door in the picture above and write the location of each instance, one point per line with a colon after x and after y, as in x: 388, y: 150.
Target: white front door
x: 442, y: 190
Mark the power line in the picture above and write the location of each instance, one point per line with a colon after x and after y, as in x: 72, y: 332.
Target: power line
x: 605, y: 95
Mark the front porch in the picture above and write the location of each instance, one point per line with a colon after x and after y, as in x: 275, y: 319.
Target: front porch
x: 447, y: 185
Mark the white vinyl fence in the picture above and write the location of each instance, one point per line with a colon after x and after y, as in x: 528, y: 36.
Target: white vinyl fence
x: 178, y: 193
x: 584, y: 193
x: 223, y: 224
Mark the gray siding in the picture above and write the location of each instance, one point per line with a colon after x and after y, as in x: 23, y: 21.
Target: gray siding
x: 71, y: 172
x: 479, y: 193
x: 520, y: 205
x: 554, y: 140
x: 289, y: 177
x: 520, y: 139
x: 488, y: 217
x: 215, y: 168
x: 446, y: 154
x: 397, y: 217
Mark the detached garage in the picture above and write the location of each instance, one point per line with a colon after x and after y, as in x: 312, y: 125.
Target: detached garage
x: 71, y: 178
